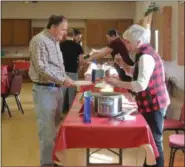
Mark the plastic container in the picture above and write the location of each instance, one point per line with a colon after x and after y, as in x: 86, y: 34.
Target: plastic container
x: 87, y: 107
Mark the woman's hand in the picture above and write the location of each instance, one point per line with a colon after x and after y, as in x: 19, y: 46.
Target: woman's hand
x: 112, y: 81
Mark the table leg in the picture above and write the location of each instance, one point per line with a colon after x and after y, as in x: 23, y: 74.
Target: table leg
x: 88, y: 154
x: 120, y: 156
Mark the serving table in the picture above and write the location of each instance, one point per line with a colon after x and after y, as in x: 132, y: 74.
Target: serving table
x: 102, y: 133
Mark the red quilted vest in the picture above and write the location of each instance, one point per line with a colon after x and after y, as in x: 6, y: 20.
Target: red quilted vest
x: 155, y: 96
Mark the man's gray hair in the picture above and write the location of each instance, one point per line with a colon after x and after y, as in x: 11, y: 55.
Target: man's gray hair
x: 137, y: 33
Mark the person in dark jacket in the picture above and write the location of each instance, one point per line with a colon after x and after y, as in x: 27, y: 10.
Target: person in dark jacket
x: 148, y: 83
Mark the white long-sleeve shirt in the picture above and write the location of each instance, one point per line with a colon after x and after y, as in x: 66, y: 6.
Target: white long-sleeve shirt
x: 146, y: 66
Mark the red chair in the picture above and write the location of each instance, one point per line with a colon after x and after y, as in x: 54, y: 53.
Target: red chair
x: 4, y: 69
x: 176, y: 142
x: 4, y: 83
x: 175, y: 125
x: 14, y: 90
x: 5, y: 86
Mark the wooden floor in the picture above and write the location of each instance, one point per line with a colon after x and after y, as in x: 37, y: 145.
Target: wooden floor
x: 20, y: 145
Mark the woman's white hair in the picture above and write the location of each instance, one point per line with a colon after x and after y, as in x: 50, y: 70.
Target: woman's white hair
x: 137, y: 33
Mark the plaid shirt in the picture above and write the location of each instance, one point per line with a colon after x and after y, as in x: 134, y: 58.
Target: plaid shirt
x: 46, y: 60
x: 155, y: 96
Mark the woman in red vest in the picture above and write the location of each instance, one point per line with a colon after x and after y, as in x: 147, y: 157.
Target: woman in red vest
x: 148, y: 83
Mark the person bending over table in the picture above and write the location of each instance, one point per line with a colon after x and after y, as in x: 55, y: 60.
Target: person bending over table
x: 148, y: 83
x: 115, y: 46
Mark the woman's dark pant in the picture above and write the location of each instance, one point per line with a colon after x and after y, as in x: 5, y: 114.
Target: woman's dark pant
x: 156, y: 121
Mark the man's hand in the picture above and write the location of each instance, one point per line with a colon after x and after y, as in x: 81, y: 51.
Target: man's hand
x: 68, y: 82
x: 80, y: 68
x: 118, y: 60
x: 87, y: 61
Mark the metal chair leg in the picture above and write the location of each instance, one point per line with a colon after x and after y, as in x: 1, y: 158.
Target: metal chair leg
x: 177, y: 132
x: 6, y: 105
x: 171, y: 154
x: 173, y: 157
x: 19, y: 104
x: 3, y: 105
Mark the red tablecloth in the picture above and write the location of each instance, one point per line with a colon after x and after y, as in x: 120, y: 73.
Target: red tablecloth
x: 92, y: 87
x: 21, y: 65
x: 101, y: 133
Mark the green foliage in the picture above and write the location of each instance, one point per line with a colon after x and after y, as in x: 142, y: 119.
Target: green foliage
x: 152, y: 8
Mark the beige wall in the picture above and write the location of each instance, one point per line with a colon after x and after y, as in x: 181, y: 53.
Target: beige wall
x: 139, y: 10
x: 76, y: 12
x: 72, y: 10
